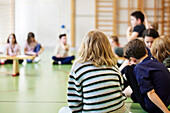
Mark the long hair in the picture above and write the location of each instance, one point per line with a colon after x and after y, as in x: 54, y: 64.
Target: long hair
x: 116, y: 39
x: 30, y: 35
x: 13, y: 37
x: 96, y: 49
x: 160, y: 49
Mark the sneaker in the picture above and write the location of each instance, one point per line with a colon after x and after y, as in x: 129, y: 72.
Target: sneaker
x: 36, y: 59
x: 59, y: 62
x: 55, y: 63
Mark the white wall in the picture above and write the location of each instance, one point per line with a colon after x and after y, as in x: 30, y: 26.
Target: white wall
x: 85, y: 18
x: 43, y: 17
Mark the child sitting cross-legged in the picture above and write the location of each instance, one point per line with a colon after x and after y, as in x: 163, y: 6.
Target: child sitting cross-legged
x: 12, y: 49
x: 33, y: 48
x: 62, y: 49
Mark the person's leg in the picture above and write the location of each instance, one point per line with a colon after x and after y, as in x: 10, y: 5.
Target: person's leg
x: 20, y: 61
x: 37, y: 48
x: 136, y: 95
x: 57, y: 60
x: 68, y: 60
x: 29, y: 61
x: 8, y: 62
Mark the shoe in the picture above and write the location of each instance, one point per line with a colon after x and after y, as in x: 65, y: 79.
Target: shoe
x: 59, y: 62
x: 36, y: 59
x: 55, y: 63
x: 2, y: 63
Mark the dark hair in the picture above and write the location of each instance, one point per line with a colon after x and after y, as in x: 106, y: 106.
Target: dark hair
x: 138, y: 15
x: 13, y: 36
x: 151, y: 33
x: 135, y: 48
x: 115, y: 38
x: 61, y: 35
x: 30, y: 35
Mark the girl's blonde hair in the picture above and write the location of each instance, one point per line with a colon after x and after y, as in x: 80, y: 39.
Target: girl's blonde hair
x: 160, y: 49
x: 95, y: 48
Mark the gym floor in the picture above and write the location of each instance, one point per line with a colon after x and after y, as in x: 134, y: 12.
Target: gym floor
x: 40, y: 88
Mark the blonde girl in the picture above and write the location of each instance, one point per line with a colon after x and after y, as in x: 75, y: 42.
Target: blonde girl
x: 161, y: 51
x: 95, y: 82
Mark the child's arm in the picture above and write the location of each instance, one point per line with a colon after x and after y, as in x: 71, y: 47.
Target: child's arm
x: 157, y: 101
x: 57, y: 49
x: 146, y: 21
x: 124, y: 64
x: 66, y: 47
x: 131, y: 35
x: 26, y: 52
x: 19, y: 52
x: 6, y: 51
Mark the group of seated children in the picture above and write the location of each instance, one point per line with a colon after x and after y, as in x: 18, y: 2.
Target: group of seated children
x: 95, y: 82
x: 32, y: 47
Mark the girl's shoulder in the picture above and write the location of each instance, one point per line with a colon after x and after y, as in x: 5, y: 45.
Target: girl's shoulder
x: 77, y: 64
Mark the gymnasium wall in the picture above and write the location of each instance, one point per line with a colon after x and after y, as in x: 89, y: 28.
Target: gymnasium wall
x: 45, y: 17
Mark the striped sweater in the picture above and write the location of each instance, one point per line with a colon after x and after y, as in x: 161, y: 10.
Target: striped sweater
x: 94, y: 89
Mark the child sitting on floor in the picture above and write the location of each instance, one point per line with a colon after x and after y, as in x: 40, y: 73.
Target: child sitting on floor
x: 161, y: 51
x: 12, y: 48
x: 33, y: 48
x: 152, y: 78
x: 62, y: 49
x: 95, y: 82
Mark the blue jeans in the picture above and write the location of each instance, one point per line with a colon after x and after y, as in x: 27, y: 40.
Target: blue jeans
x: 65, y: 60
x: 36, y: 50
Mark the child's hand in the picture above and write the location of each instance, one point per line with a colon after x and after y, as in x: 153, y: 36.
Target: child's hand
x: 129, y: 29
x: 58, y: 56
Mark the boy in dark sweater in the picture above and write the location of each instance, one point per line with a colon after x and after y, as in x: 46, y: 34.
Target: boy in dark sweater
x: 152, y: 78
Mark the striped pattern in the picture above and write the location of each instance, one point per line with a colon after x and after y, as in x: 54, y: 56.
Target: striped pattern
x: 94, y: 89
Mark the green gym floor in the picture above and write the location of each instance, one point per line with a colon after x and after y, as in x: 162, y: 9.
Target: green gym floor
x: 40, y: 88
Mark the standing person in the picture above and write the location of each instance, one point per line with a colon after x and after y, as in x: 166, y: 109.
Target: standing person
x: 61, y: 52
x: 95, y: 82
x: 33, y: 48
x: 12, y: 48
x: 152, y: 78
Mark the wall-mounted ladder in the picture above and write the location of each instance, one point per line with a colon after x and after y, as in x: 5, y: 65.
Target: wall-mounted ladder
x: 105, y: 16
x: 165, y: 17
